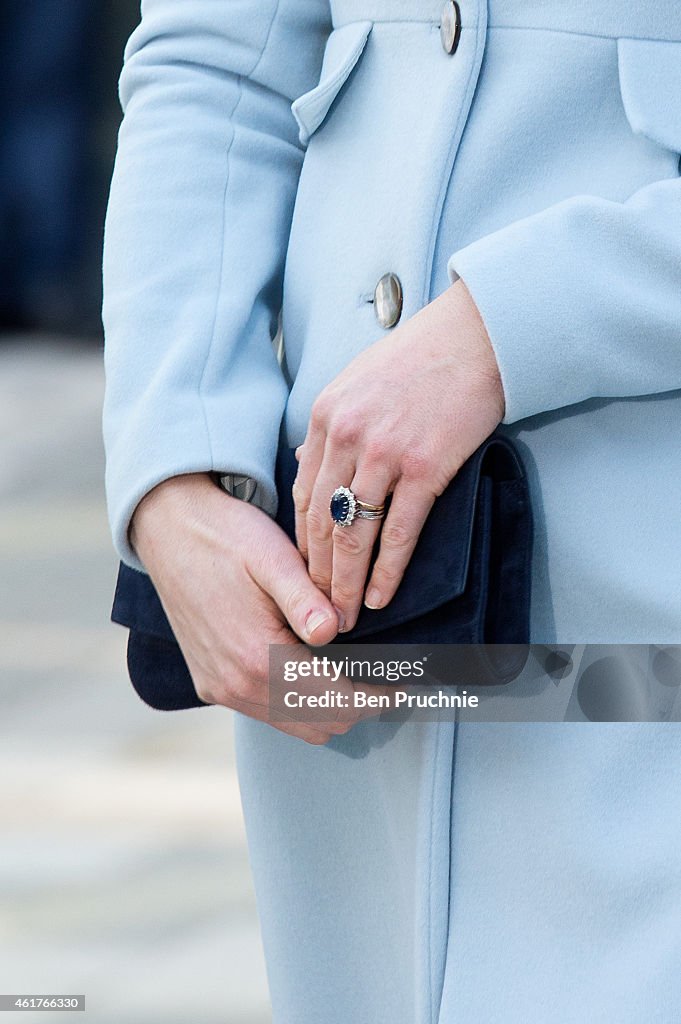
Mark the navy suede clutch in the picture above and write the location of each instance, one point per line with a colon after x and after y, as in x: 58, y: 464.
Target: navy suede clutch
x: 468, y: 581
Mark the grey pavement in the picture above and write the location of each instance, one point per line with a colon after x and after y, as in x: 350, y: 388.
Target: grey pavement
x: 123, y: 866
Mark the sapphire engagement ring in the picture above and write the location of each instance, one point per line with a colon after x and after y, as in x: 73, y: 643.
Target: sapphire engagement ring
x: 345, y: 507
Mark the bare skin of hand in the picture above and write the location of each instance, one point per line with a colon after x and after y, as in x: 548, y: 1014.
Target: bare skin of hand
x: 231, y: 583
x: 400, y: 419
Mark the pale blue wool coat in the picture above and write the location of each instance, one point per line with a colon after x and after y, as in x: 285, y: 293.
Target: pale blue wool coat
x: 430, y: 873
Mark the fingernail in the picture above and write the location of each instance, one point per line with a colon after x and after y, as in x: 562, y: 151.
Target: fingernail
x: 341, y: 619
x: 373, y: 598
x: 314, y: 621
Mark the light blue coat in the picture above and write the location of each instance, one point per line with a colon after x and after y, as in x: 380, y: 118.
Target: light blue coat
x: 540, y: 162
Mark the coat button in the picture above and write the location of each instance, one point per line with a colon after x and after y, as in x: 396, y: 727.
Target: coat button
x: 388, y: 300
x: 450, y: 26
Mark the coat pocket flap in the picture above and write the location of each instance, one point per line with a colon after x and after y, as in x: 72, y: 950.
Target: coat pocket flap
x: 343, y: 49
x: 650, y: 85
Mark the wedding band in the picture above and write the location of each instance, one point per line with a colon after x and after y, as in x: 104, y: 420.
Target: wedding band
x: 345, y: 507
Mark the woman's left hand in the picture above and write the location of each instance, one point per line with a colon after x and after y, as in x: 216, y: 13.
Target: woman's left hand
x: 400, y: 419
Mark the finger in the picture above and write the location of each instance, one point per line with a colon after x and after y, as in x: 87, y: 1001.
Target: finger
x: 353, y: 545
x: 309, y: 456
x: 337, y: 470
x: 408, y: 512
x: 264, y: 695
x: 256, y: 687
x: 296, y: 696
x: 281, y: 572
x: 316, y: 727
x: 251, y: 696
x: 317, y: 734
x: 303, y: 691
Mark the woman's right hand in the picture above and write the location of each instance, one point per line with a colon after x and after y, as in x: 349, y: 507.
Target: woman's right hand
x: 231, y: 583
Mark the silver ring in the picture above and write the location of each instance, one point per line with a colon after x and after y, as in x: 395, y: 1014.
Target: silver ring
x: 345, y: 507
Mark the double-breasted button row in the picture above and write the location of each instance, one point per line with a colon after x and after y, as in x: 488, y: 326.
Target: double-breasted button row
x: 388, y: 292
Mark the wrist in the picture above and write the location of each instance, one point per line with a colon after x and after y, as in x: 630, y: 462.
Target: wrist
x: 179, y: 500
x: 467, y: 319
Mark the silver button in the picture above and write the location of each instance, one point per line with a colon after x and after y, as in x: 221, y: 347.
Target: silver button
x: 450, y: 26
x: 388, y: 300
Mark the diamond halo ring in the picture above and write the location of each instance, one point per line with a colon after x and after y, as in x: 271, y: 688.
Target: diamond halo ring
x: 345, y: 507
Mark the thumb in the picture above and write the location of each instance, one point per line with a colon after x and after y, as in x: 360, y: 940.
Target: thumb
x: 280, y: 570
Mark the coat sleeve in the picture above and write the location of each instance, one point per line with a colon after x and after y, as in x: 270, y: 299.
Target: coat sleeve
x: 195, y: 239
x: 583, y: 300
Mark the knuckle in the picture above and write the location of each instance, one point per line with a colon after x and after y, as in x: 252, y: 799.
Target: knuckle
x: 318, y: 521
x: 377, y: 451
x: 319, y: 412
x: 346, y: 432
x: 397, y: 536
x: 340, y: 728
x: 255, y: 667
x: 348, y: 542
x: 316, y: 739
x: 417, y: 464
x: 321, y: 580
x: 241, y: 695
x: 386, y: 577
x: 296, y: 601
x: 207, y: 693
x: 216, y: 687
x: 344, y: 593
x: 301, y: 498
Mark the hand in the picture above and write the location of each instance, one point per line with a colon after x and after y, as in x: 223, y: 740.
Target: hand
x: 400, y: 419
x: 231, y: 583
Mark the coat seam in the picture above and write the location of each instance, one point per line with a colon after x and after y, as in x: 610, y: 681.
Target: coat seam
x: 221, y: 258
x: 429, y: 929
x: 450, y: 858
x: 611, y: 36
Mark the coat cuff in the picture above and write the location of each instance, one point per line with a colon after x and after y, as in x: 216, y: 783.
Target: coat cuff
x: 148, y: 450
x: 533, y: 295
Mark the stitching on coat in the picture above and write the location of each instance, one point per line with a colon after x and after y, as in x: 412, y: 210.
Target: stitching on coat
x: 578, y: 35
x: 471, y: 85
x: 434, y: 1007
x: 221, y: 260
x: 450, y: 859
x: 429, y: 924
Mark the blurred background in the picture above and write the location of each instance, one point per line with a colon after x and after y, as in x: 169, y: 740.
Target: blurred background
x: 123, y: 867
